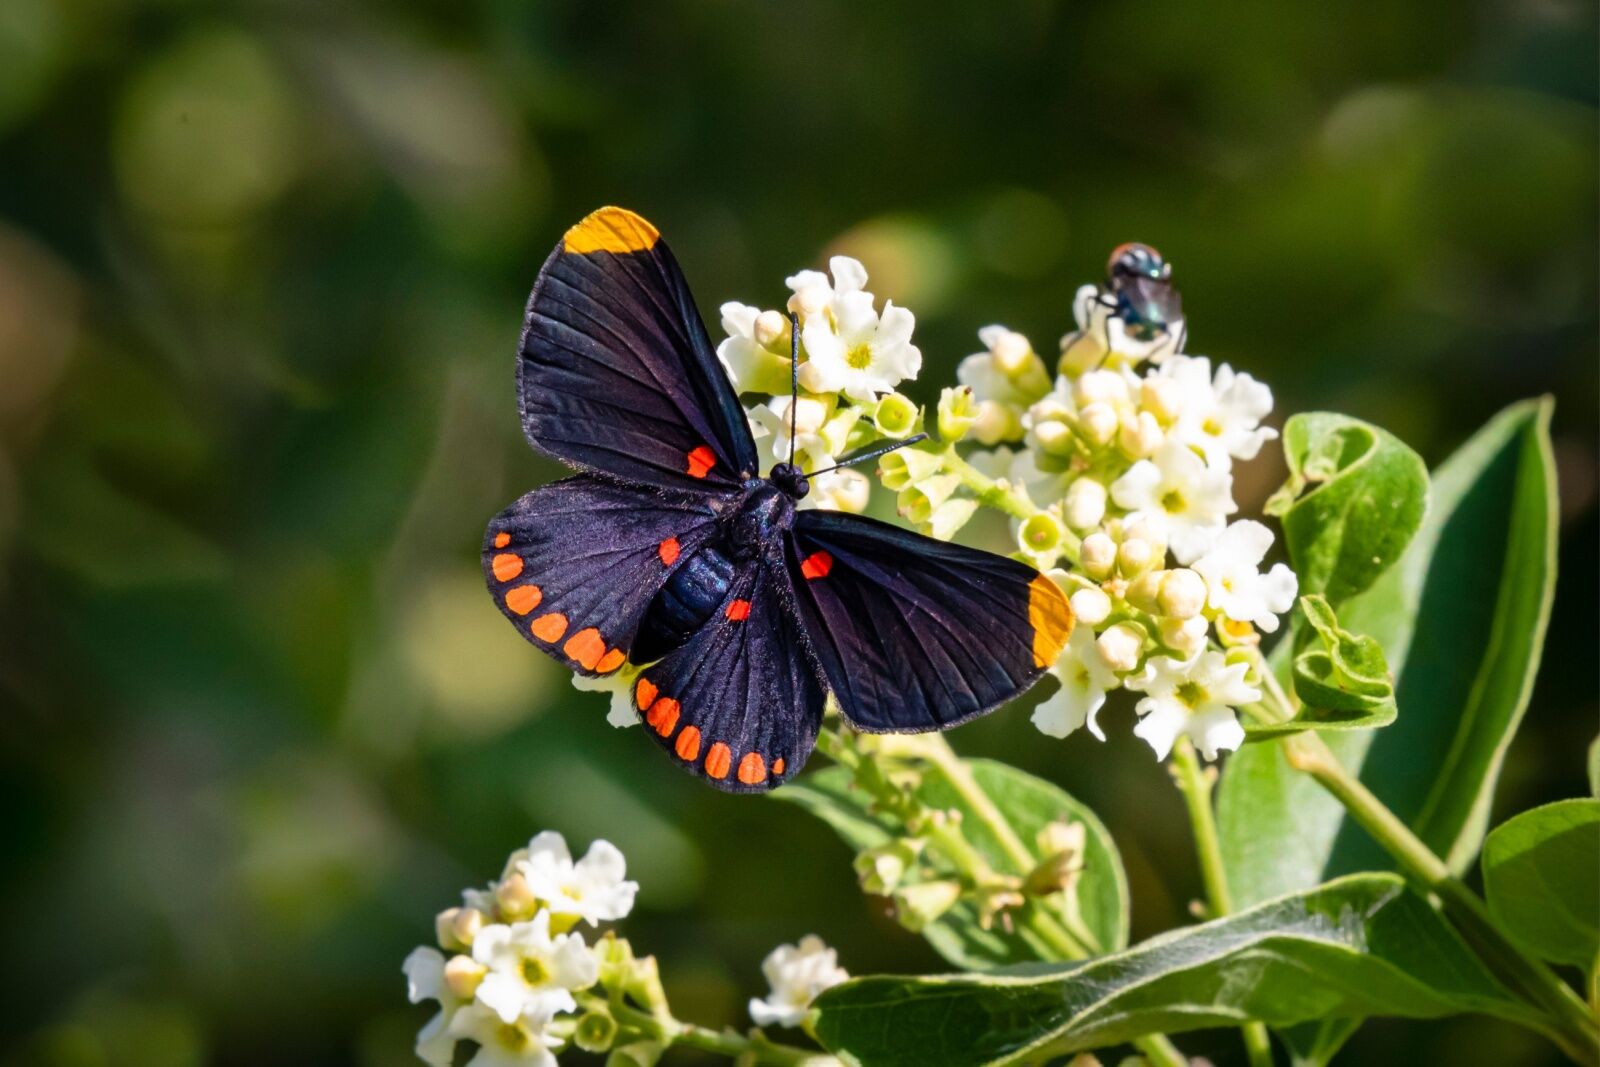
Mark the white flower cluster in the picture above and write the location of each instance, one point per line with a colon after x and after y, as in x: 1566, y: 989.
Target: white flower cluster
x: 1116, y: 469
x: 515, y: 960
x: 852, y: 357
x: 797, y: 975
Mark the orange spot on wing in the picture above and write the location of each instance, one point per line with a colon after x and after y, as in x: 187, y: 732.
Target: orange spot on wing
x: 752, y: 769
x: 668, y: 551
x: 738, y: 610
x: 506, y: 566
x: 524, y: 598
x: 1051, y: 618
x: 644, y: 694
x: 719, y: 760
x: 611, y: 661
x: 611, y: 229
x: 585, y: 647
x: 817, y: 565
x: 701, y: 460
x: 688, y: 746
x: 549, y: 626
x: 502, y: 539
x: 777, y: 765
x: 663, y: 716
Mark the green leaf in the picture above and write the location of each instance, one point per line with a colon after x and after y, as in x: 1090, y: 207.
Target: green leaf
x: 1541, y: 875
x: 1031, y: 804
x: 1355, y: 496
x: 1462, y: 620
x: 1359, y: 946
x: 1342, y: 685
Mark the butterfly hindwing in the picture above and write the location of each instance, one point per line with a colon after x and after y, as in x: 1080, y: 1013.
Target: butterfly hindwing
x: 739, y: 703
x: 575, y: 564
x: 616, y: 371
x: 917, y: 634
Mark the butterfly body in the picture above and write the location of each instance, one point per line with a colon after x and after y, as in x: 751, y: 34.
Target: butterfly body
x: 669, y: 552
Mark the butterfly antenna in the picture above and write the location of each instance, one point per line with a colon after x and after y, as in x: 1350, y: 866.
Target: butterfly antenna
x: 874, y: 454
x: 794, y: 379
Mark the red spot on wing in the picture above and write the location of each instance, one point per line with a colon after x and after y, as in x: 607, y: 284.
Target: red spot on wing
x: 817, y: 565
x: 701, y: 460
x: 668, y: 551
x: 719, y: 760
x: 777, y: 765
x: 585, y: 648
x: 688, y: 746
x: 506, y: 566
x: 524, y: 598
x: 738, y: 610
x: 663, y: 716
x: 502, y: 539
x: 549, y: 626
x: 644, y: 694
x: 611, y: 661
x: 752, y: 769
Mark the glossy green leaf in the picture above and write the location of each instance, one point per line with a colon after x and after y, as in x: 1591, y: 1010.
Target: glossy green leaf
x: 1362, y: 945
x: 1354, y: 498
x: 1541, y: 875
x: 1462, y: 622
x: 1031, y: 804
x: 1341, y: 680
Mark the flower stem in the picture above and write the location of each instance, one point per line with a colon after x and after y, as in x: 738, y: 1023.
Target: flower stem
x: 1195, y: 784
x: 1569, y: 1023
x: 755, y: 1047
x: 990, y: 493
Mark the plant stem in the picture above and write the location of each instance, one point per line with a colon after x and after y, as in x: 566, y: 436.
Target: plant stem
x: 1572, y: 1027
x: 730, y: 1043
x: 1195, y: 785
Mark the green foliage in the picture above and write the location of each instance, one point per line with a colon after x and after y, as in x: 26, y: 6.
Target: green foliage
x: 1029, y: 804
x: 1343, y: 684
x: 1356, y: 946
x: 1354, y: 499
x: 1461, y: 619
x: 1541, y: 874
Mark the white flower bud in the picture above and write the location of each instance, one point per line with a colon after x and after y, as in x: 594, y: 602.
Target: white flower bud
x: 1101, y: 387
x: 810, y: 300
x: 1050, y: 407
x: 1040, y: 533
x: 1139, y: 435
x: 1054, y: 437
x: 1144, y: 590
x: 1133, y: 556
x: 995, y: 423
x: 896, y: 416
x: 958, y: 409
x: 902, y: 468
x: 1184, y: 636
x: 1099, y: 423
x: 1086, y: 504
x: 1161, y: 397
x: 1090, y: 606
x: 918, y: 905
x: 949, y: 517
x: 1012, y: 353
x: 1120, y: 646
x: 463, y: 975
x: 515, y: 898
x: 1183, y: 593
x: 844, y: 490
x: 456, y: 927
x: 1097, y: 554
x: 771, y: 331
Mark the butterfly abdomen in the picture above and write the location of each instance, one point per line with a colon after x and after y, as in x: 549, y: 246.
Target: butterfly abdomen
x: 694, y: 591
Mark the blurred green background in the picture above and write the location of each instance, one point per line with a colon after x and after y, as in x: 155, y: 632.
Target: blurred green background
x: 262, y: 266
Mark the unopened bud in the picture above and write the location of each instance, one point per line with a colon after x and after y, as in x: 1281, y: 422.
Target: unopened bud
x: 1097, y: 555
x: 1144, y: 591
x: 1184, y: 636
x: 896, y: 416
x: 456, y: 927
x: 515, y: 898
x: 1010, y: 351
x: 1062, y: 846
x: 771, y: 331
x: 1099, y: 423
x: 1054, y: 437
x: 843, y: 490
x: 1183, y: 593
x: 1134, y: 556
x: 810, y: 300
x: 1139, y: 435
x: 1100, y: 387
x: 1040, y: 533
x: 463, y: 974
x: 995, y: 423
x: 1120, y: 646
x: 1086, y: 504
x: 1161, y: 397
x: 881, y: 870
x: 958, y: 409
x: 948, y: 518
x: 904, y: 467
x: 1090, y: 606
x: 918, y: 905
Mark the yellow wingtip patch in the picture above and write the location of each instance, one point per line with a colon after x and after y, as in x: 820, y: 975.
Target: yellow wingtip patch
x: 611, y: 229
x: 1051, y: 618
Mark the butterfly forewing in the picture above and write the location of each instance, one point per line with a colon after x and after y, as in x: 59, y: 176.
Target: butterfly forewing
x: 917, y: 634
x: 739, y: 704
x: 574, y: 565
x: 616, y: 371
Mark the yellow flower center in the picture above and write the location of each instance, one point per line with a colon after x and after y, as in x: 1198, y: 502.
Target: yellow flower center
x: 1172, y: 501
x: 1191, y: 694
x: 859, y: 357
x: 513, y: 1036
x: 534, y: 971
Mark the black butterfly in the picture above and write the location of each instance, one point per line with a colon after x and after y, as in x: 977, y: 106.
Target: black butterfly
x: 670, y: 550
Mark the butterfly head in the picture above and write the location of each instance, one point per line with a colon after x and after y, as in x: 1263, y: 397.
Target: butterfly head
x: 791, y: 479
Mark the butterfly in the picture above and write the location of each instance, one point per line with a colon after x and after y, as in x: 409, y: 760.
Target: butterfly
x: 669, y: 551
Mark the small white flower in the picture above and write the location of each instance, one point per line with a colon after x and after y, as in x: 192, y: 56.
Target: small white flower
x: 531, y: 972
x: 424, y: 971
x: 1008, y: 372
x: 520, y: 1042
x: 841, y: 490
x: 1193, y: 698
x: 769, y: 425
x: 797, y: 974
x: 619, y: 684
x: 1235, y: 585
x: 1221, y: 417
x: 1177, y: 493
x: 851, y: 348
x: 752, y: 366
x: 1084, y: 679
x: 595, y: 888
